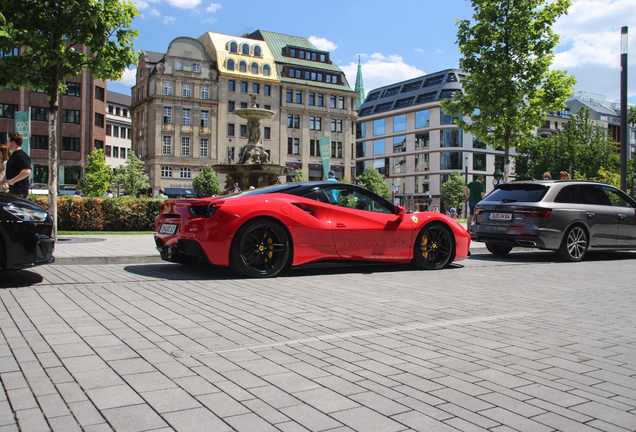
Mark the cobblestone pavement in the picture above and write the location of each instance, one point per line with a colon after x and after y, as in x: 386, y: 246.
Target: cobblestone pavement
x: 500, y: 344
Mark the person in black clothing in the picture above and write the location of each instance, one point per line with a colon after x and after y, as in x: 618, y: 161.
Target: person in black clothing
x: 18, y: 167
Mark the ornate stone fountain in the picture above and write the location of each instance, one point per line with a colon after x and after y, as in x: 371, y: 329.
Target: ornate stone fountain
x: 253, y: 167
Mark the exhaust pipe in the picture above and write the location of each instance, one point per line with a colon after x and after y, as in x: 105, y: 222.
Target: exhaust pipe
x: 527, y: 243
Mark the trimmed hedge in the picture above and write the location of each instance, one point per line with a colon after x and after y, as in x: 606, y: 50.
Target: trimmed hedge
x: 104, y: 214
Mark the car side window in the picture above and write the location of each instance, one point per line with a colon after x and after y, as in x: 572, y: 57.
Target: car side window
x: 318, y: 195
x: 592, y: 194
x: 567, y: 195
x: 617, y: 198
x: 355, y: 199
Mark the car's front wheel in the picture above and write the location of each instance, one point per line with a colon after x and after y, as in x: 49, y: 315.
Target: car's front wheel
x: 261, y: 248
x: 498, y: 249
x: 573, y: 245
x: 434, y: 247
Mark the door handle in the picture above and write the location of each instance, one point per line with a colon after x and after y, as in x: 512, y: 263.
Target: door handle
x: 340, y: 225
x: 622, y: 216
x: 590, y: 214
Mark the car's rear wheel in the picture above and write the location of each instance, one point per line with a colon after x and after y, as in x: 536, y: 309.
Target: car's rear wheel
x: 573, y: 245
x: 260, y: 249
x: 434, y: 247
x: 498, y: 249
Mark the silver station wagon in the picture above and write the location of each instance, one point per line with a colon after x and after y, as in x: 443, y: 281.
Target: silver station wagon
x: 567, y: 216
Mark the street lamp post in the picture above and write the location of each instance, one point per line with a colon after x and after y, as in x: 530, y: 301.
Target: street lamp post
x: 624, y: 143
x: 466, y: 174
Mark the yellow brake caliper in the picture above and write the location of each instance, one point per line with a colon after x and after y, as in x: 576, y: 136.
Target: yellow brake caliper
x: 423, y: 244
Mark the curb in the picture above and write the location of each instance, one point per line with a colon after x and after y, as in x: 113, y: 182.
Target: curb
x: 134, y: 259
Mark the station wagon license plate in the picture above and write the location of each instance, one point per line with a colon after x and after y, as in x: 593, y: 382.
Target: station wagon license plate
x: 500, y: 217
x: 168, y: 229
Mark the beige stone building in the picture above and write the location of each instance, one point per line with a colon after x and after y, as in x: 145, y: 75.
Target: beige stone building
x: 183, y: 103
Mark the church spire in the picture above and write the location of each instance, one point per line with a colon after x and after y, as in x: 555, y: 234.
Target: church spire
x: 359, y: 86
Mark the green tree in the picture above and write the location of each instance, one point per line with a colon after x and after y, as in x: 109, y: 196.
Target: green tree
x: 97, y: 175
x: 206, y: 183
x: 507, y: 49
x: 131, y: 175
x: 58, y: 40
x: 583, y: 145
x: 452, y: 193
x: 632, y: 115
x: 372, y: 180
x: 299, y: 177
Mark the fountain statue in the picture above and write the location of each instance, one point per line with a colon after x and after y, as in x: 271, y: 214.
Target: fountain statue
x: 253, y: 167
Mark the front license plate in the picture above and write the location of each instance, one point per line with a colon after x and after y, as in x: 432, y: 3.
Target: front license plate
x: 500, y: 216
x: 167, y: 229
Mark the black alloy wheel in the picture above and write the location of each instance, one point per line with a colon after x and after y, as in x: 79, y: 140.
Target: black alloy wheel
x: 498, y: 249
x: 573, y: 245
x: 434, y: 247
x: 260, y: 249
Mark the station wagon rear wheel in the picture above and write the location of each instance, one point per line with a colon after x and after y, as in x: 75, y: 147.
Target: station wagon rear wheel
x: 260, y: 249
x: 434, y: 247
x: 573, y: 245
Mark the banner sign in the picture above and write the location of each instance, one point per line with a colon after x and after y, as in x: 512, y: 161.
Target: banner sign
x: 325, y: 153
x: 23, y: 127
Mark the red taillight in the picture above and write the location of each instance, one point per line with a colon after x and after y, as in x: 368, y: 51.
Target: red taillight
x: 478, y: 210
x: 538, y: 212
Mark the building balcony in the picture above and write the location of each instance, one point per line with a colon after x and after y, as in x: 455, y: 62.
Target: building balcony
x: 167, y: 127
x: 204, y: 130
x: 186, y: 129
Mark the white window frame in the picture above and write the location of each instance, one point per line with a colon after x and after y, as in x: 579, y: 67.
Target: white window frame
x: 178, y: 65
x: 166, y: 172
x: 187, y: 90
x: 185, y: 146
x: 166, y: 148
x: 167, y: 88
x: 205, y: 92
x: 185, y: 173
x: 196, y: 67
x: 185, y: 120
x: 204, y: 147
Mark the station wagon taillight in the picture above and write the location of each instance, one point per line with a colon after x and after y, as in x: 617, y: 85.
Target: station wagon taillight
x: 535, y: 212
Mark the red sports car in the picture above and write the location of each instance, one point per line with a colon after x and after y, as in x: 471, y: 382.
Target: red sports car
x: 260, y: 232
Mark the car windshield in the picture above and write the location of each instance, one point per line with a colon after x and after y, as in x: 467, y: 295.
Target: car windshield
x: 261, y: 190
x: 523, y: 192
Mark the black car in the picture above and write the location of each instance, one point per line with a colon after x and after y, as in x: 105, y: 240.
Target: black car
x: 569, y: 217
x: 25, y: 233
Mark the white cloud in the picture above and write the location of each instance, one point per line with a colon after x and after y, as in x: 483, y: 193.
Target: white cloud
x: 128, y: 78
x: 589, y: 45
x: 213, y: 7
x: 419, y: 50
x: 184, y: 4
x: 154, y: 13
x: 379, y: 70
x: 322, y: 43
x: 168, y: 19
x: 140, y: 4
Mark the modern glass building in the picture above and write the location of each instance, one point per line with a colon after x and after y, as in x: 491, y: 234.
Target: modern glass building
x: 403, y: 132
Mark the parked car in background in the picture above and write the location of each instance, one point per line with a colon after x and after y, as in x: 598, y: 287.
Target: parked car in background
x: 567, y: 216
x: 25, y: 233
x: 260, y: 232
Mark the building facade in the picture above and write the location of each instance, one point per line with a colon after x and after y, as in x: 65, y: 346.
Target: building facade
x: 605, y: 113
x: 80, y: 126
x: 403, y: 132
x: 183, y: 103
x: 118, y: 129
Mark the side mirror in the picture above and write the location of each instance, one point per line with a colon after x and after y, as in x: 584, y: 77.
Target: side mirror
x: 399, y: 210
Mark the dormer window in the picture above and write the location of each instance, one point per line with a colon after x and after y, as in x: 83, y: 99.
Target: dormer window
x: 230, y: 64
x: 178, y: 65
x: 245, y: 49
x: 242, y: 66
x: 266, y: 70
x: 254, y: 68
x: 233, y: 47
x: 257, y: 51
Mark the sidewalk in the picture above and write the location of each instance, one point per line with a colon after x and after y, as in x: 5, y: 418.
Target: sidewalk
x: 119, y: 249
x: 106, y: 249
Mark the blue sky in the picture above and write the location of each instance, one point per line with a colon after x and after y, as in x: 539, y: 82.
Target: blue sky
x: 396, y: 40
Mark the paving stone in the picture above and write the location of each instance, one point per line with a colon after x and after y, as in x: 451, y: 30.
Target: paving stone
x: 171, y: 399
x: 194, y: 420
x: 113, y: 397
x: 364, y: 419
x: 607, y: 414
x: 513, y: 420
x: 326, y: 401
x: 250, y: 423
x: 31, y: 420
x: 134, y: 418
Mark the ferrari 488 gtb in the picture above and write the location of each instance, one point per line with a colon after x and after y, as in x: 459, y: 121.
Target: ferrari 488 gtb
x: 260, y: 232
